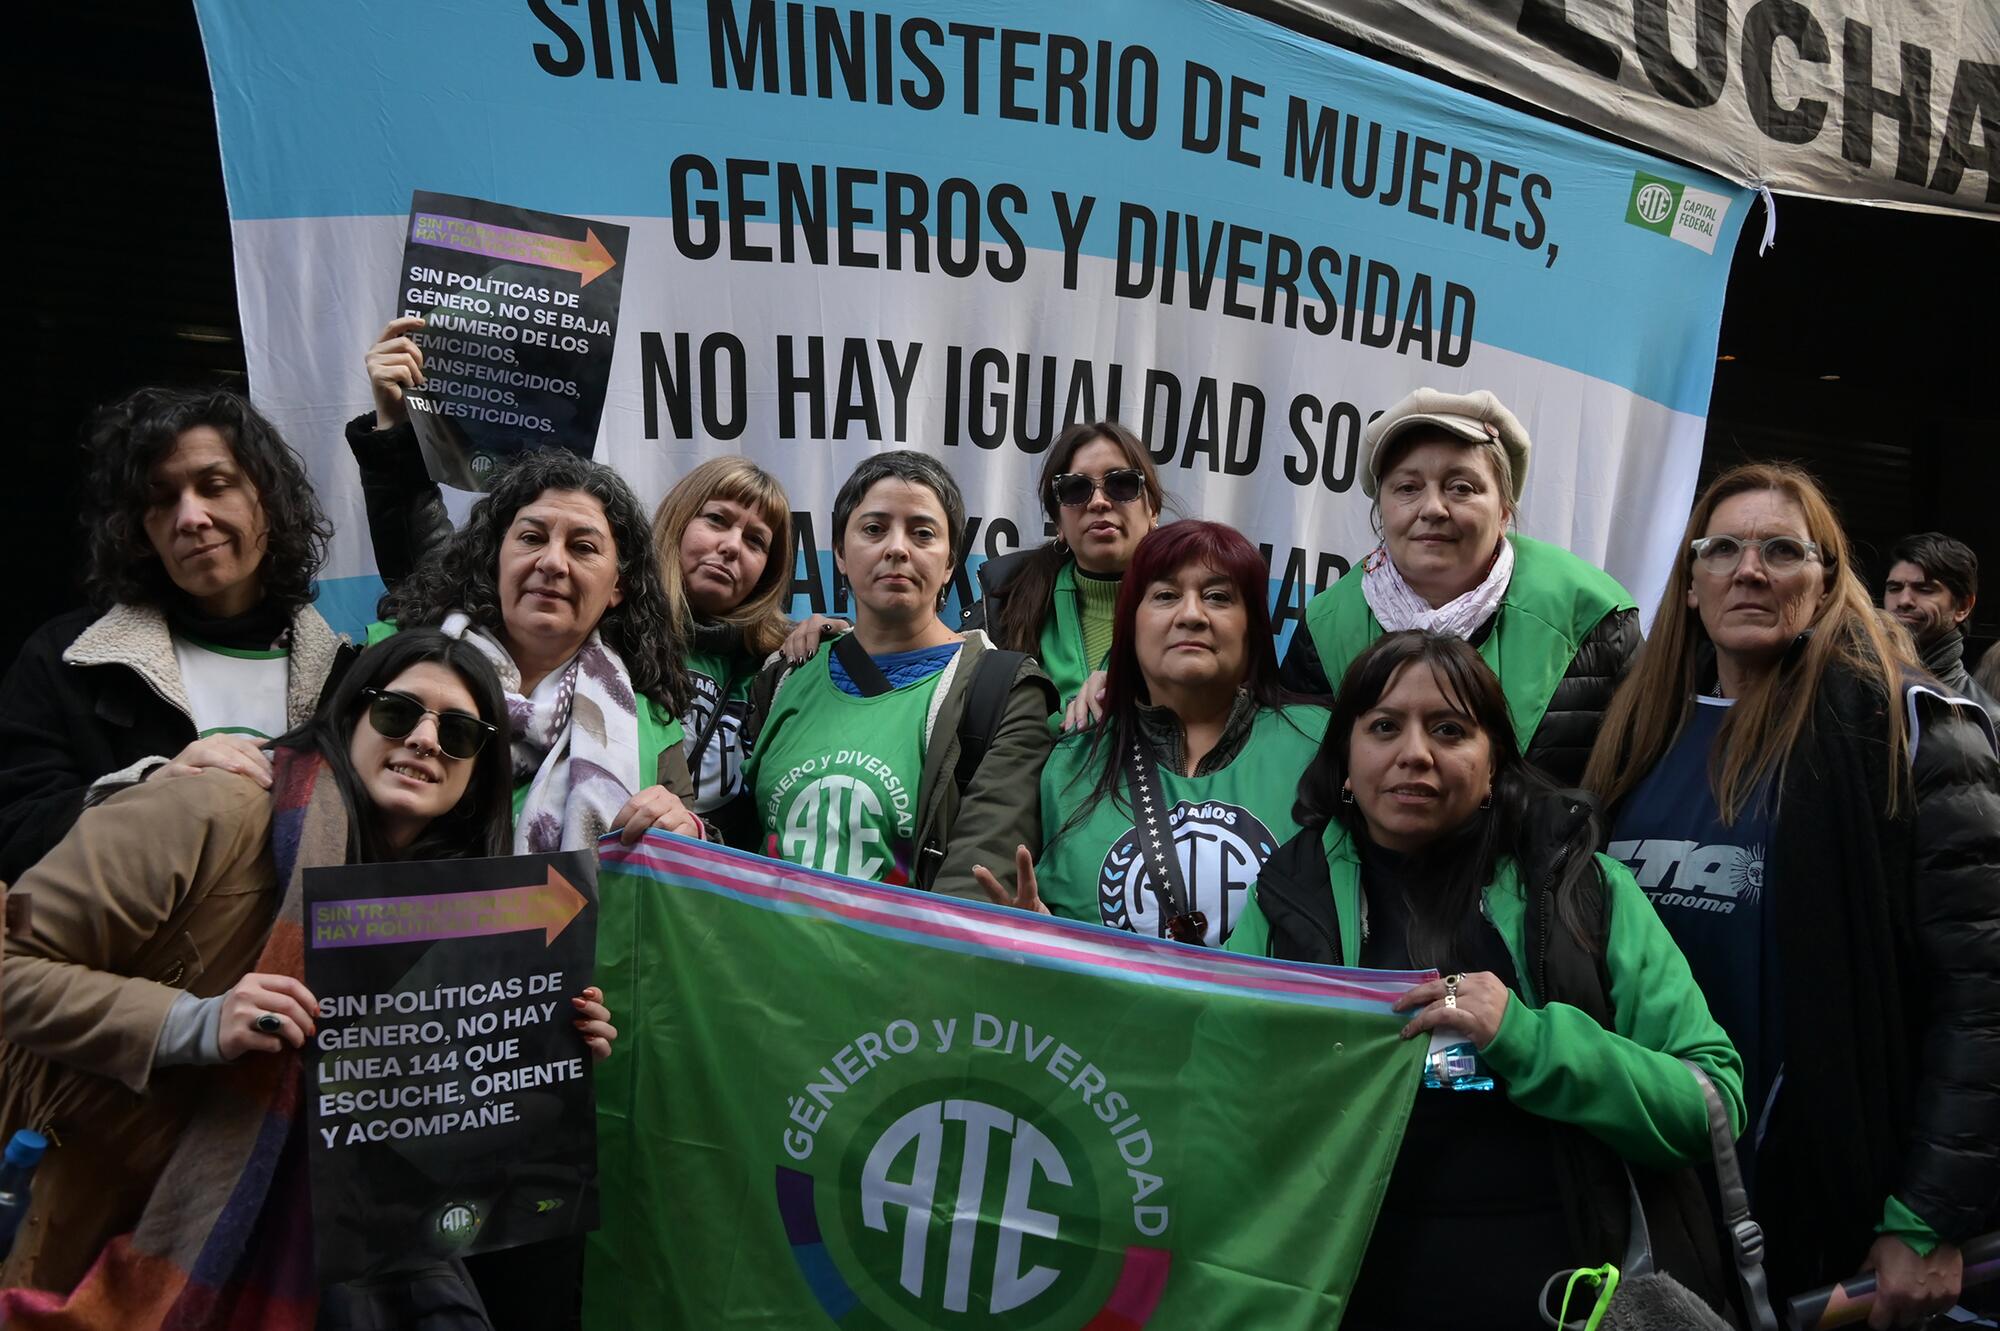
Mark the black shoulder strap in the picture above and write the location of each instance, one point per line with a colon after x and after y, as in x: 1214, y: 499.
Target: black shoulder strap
x: 861, y: 667
x: 1179, y: 920
x: 985, y: 705
x: 698, y: 745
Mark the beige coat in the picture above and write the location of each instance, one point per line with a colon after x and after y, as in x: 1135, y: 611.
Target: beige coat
x: 165, y: 887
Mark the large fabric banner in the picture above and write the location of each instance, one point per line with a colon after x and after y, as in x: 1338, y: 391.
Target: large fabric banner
x: 840, y: 1104
x: 956, y: 227
x: 1878, y: 101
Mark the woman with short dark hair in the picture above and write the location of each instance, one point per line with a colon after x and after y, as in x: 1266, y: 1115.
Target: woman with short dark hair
x: 903, y: 752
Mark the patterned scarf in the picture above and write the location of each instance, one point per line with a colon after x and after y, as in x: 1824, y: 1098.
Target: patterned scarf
x: 1397, y: 606
x: 225, y: 1242
x: 576, y: 741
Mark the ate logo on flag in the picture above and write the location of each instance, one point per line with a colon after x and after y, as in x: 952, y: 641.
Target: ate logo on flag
x: 1024, y: 1198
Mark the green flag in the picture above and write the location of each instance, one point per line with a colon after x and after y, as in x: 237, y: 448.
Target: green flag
x: 840, y: 1104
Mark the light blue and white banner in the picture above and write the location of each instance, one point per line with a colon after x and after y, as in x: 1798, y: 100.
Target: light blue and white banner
x: 956, y: 226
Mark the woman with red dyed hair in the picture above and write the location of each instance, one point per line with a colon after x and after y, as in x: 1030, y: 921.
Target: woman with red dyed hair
x: 1158, y: 819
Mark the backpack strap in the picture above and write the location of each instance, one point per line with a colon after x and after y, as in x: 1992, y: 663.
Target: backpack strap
x: 985, y: 704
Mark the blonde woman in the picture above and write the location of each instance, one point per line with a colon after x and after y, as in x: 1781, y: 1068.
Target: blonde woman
x: 1819, y: 828
x: 723, y: 537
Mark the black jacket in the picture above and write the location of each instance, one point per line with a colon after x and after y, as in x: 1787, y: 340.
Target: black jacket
x: 1295, y: 893
x: 1561, y: 744
x: 65, y: 725
x: 1888, y: 934
x: 1945, y: 659
x: 406, y: 513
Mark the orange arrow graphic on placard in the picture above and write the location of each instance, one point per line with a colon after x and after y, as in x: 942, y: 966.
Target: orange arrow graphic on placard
x: 549, y: 905
x: 587, y: 257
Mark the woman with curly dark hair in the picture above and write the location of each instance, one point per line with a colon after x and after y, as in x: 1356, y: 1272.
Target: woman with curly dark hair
x: 203, y: 542
x: 553, y: 578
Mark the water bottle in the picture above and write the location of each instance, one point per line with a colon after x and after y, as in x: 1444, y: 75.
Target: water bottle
x: 17, y: 1172
x: 1453, y: 1064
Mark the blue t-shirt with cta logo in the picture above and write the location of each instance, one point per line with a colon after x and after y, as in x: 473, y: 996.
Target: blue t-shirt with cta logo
x: 1706, y: 880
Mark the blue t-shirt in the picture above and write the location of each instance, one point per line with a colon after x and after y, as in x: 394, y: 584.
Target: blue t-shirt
x: 1706, y: 880
x: 901, y: 667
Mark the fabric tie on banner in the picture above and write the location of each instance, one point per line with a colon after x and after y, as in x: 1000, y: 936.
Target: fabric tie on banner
x: 841, y: 1104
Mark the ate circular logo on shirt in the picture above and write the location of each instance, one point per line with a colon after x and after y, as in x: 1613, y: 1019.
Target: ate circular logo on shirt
x: 1221, y: 848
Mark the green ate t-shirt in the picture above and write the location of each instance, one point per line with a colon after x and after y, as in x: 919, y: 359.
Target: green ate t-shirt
x: 836, y: 777
x: 1225, y: 825
x: 716, y: 682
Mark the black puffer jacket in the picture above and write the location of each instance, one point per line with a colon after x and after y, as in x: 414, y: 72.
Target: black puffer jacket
x: 1945, y: 659
x: 1561, y: 744
x: 1888, y: 957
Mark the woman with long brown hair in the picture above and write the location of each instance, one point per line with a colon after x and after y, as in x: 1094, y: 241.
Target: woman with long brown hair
x: 1820, y: 830
x: 1055, y: 601
x: 723, y: 537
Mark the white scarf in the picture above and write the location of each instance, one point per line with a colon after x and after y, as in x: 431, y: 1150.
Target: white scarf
x: 1397, y: 607
x: 576, y: 741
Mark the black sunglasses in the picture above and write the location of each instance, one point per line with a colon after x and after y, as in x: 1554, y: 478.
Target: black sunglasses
x: 1122, y: 486
x: 396, y: 715
x: 1190, y: 927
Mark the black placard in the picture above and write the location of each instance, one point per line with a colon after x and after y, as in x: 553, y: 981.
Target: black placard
x: 450, y: 1104
x: 521, y: 309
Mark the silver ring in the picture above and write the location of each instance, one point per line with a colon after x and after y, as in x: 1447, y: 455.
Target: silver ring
x: 269, y: 1023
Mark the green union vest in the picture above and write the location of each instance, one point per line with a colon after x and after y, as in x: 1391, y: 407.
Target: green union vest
x: 1552, y: 603
x: 836, y: 777
x: 1225, y: 825
x: 1061, y: 645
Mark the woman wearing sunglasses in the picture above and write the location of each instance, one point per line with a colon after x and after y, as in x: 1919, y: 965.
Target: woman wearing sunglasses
x: 553, y: 577
x: 1820, y: 830
x: 903, y: 752
x: 159, y: 991
x: 1055, y: 602
x: 1445, y: 472
x: 1158, y: 821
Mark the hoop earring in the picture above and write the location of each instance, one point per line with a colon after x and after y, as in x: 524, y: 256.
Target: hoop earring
x: 1487, y: 803
x: 1347, y: 794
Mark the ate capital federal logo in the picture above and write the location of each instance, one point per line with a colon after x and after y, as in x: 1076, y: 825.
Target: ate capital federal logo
x: 1221, y: 848
x: 996, y: 1177
x: 1677, y: 211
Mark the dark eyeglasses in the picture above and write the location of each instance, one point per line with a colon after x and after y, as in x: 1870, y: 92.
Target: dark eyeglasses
x: 1780, y: 554
x: 396, y: 715
x: 1190, y: 927
x: 1122, y: 486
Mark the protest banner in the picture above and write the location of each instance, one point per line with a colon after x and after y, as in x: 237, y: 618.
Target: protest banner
x: 957, y: 228
x: 522, y: 311
x: 855, y: 1105
x: 450, y: 1100
x: 1875, y: 101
